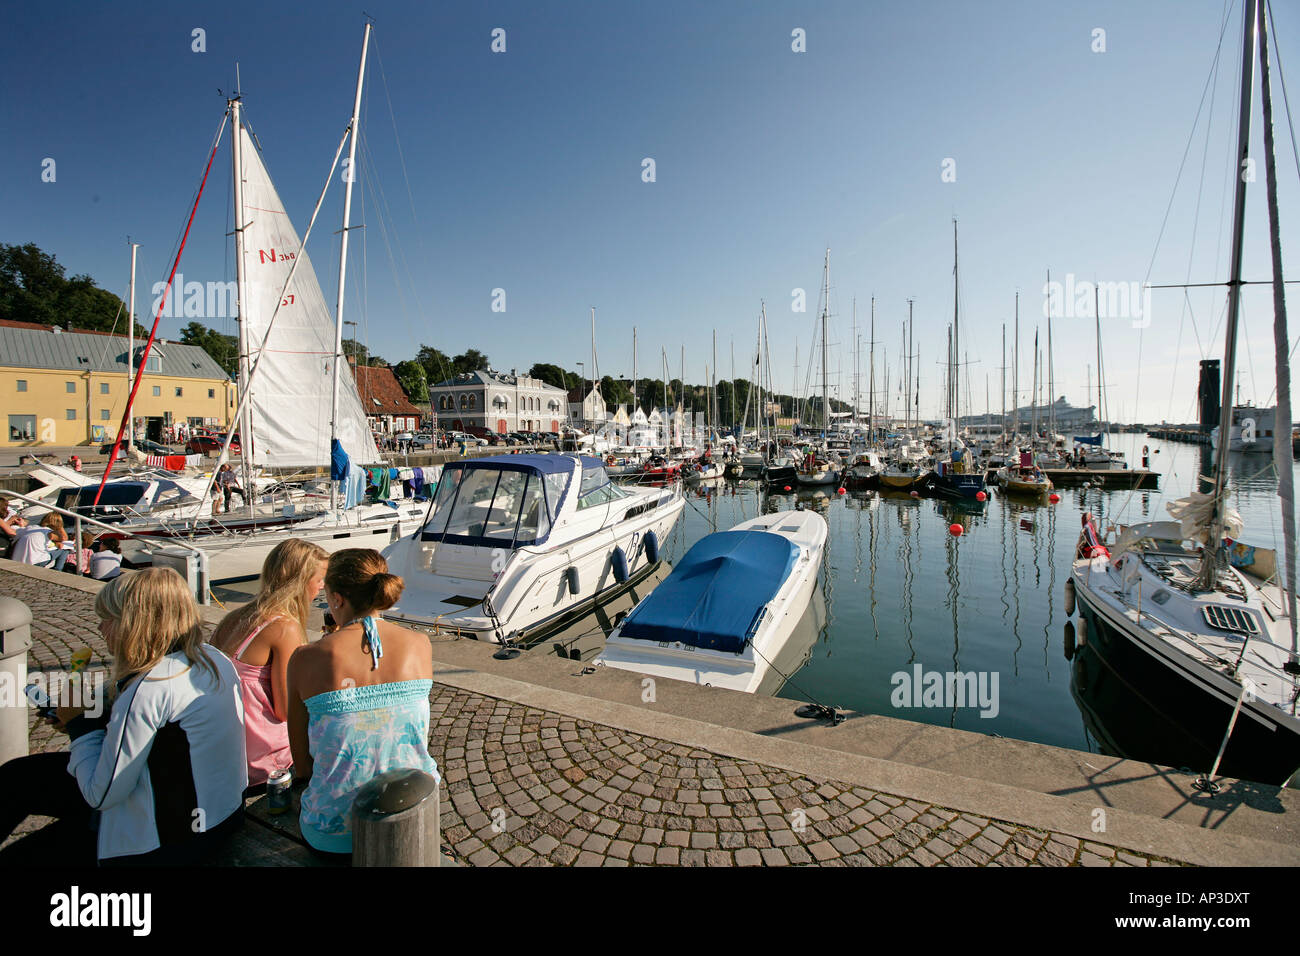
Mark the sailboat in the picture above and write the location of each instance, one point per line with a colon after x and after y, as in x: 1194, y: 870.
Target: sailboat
x: 821, y: 466
x: 296, y: 400
x: 1183, y: 614
x: 956, y: 475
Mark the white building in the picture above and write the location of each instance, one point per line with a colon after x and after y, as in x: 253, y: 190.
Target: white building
x: 498, y: 402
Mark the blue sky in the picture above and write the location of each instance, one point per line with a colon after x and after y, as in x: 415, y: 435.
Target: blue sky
x: 525, y: 172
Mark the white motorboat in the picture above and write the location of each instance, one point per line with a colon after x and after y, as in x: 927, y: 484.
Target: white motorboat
x: 516, y: 543
x: 730, y: 605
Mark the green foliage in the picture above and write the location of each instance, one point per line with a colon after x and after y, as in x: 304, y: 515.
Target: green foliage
x: 354, y: 349
x: 470, y: 361
x: 224, y: 349
x: 35, y: 288
x: 437, y: 366
x: 410, y: 375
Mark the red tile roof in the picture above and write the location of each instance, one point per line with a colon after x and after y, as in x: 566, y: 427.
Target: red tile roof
x: 381, y: 393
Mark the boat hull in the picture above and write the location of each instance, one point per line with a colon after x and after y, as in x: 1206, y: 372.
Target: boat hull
x: 1122, y: 665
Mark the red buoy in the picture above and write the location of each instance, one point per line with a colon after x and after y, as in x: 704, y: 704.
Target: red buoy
x: 955, y: 530
x: 981, y: 496
x: 840, y: 491
x: 916, y: 494
x: 787, y: 487
x: 1054, y: 498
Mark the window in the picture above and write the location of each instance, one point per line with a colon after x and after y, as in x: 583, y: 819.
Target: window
x: 22, y: 385
x: 72, y: 388
x: 463, y: 400
x: 103, y: 388
x: 212, y: 393
x: 179, y: 391
x: 22, y: 427
x: 72, y: 414
x: 473, y: 401
x: 103, y: 414
x: 157, y: 391
x: 154, y: 364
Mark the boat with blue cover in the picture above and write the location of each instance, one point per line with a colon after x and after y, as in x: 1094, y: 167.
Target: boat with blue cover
x: 730, y: 605
x: 512, y: 544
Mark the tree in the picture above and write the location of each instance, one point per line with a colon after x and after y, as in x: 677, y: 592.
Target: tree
x: 437, y: 366
x: 410, y: 375
x: 555, y: 376
x: 355, y: 350
x: 471, y: 360
x: 35, y: 288
x: 224, y: 349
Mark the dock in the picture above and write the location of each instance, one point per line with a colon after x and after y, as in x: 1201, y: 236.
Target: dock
x: 588, y: 772
x: 1108, y: 478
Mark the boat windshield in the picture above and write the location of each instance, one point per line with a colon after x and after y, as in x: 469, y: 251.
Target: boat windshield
x: 596, y: 488
x: 494, y: 506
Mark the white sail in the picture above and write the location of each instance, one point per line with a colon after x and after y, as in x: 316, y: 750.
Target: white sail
x: 290, y: 405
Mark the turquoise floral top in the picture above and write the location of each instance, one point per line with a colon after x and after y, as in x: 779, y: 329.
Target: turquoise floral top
x: 355, y: 734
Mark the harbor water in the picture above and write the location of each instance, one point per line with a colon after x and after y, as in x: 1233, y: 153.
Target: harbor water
x: 905, y: 599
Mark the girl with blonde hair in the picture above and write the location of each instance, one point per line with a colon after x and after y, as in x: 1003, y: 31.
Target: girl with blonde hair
x: 358, y: 698
x: 260, y: 638
x: 165, y: 765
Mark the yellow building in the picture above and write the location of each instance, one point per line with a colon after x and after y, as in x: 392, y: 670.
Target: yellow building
x: 70, y: 388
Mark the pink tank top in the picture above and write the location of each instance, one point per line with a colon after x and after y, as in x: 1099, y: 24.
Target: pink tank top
x: 267, y: 736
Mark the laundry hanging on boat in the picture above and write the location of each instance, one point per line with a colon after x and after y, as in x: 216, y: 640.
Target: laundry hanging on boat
x: 383, y: 483
x: 339, y: 461
x: 354, y: 486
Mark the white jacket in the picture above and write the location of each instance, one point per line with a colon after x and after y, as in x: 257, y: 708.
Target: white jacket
x: 171, y: 763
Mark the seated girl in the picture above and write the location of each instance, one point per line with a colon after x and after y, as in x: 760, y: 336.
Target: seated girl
x: 358, y: 699
x: 165, y: 765
x: 260, y: 638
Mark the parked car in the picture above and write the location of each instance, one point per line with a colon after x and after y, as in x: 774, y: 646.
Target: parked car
x: 486, y: 437
x: 141, y: 444
x: 209, y: 443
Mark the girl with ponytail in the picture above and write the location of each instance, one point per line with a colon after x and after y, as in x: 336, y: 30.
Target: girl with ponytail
x: 358, y: 699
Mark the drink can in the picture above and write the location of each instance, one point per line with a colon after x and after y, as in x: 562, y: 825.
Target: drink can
x: 277, y: 791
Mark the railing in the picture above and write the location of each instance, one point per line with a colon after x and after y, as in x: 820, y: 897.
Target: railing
x: 201, y: 585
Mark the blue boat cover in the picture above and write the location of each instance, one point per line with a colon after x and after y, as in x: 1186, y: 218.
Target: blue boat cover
x: 1087, y: 439
x: 544, y: 464
x: 715, y: 595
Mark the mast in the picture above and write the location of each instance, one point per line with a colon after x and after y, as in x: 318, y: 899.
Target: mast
x: 826, y: 305
x: 130, y: 353
x: 635, y: 406
x: 1220, y: 473
x: 1033, y: 391
x: 871, y: 387
x: 241, y: 286
x: 956, y: 332
x: 1096, y: 298
x: 343, y: 255
x: 1003, y: 370
x: 1015, y: 377
x: 908, y: 416
x: 855, y: 362
x: 1281, y: 342
x: 1051, y: 377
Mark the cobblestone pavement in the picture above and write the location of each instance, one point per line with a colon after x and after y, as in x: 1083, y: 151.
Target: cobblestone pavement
x: 526, y: 787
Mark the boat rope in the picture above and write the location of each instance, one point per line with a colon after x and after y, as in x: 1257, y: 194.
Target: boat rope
x: 814, y: 707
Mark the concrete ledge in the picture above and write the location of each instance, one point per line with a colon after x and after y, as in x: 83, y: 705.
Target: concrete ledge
x: 1146, y: 808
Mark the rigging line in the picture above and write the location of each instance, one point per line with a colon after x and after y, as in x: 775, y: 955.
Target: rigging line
x: 1277, y: 56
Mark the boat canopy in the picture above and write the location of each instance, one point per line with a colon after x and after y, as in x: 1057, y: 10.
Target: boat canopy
x: 501, y: 500
x: 714, y: 598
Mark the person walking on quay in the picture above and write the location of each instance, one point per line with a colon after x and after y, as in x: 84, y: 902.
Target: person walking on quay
x: 230, y: 485
x: 358, y: 699
x: 164, y: 766
x: 260, y: 638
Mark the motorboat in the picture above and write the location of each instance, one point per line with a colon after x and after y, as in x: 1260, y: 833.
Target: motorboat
x: 729, y: 606
x: 819, y: 469
x: 702, y: 471
x: 1025, y: 478
x: 906, y: 470
x: 516, y: 543
x: 865, y: 469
